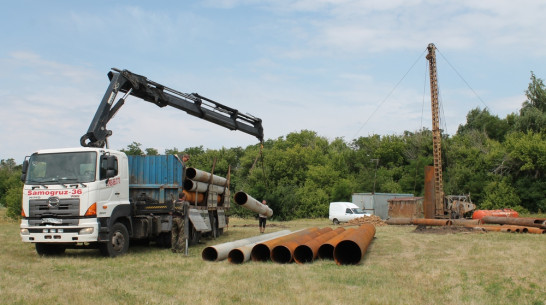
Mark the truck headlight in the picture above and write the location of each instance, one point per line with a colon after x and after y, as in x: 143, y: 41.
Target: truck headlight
x: 86, y: 231
x: 25, y: 232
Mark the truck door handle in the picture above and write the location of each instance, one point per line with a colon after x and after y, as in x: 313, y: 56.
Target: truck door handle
x: 116, y: 194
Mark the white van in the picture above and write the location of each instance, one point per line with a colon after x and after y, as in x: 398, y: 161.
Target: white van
x: 345, y: 211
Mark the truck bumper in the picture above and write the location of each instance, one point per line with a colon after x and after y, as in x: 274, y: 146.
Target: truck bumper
x: 86, y: 231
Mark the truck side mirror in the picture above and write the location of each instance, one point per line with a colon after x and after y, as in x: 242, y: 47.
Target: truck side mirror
x: 24, y: 171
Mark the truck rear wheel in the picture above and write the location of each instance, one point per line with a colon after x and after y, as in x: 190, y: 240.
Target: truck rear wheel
x: 335, y: 221
x: 118, y: 241
x: 193, y: 235
x: 49, y: 249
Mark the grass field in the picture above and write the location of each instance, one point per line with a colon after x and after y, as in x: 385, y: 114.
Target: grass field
x: 400, y: 267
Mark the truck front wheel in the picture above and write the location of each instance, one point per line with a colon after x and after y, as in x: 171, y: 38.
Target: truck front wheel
x: 118, y: 241
x: 49, y: 249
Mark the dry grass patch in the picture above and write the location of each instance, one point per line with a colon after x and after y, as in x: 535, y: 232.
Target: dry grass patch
x: 400, y: 267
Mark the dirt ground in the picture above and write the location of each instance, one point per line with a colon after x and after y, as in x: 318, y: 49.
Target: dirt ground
x: 445, y: 230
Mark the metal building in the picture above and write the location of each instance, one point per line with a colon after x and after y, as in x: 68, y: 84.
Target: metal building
x: 376, y: 204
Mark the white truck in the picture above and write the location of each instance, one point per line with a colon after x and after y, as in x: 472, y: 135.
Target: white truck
x: 92, y: 196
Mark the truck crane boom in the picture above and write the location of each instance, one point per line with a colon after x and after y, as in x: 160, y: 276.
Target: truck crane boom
x: 139, y: 86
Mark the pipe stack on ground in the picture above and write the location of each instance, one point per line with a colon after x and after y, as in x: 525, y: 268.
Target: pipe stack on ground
x: 326, y: 250
x: 352, y: 248
x: 283, y: 253
x: 221, y: 251
x: 308, y: 251
x: 246, y: 201
x: 262, y: 251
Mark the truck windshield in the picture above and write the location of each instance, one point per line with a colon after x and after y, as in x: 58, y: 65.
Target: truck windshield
x: 71, y: 167
x: 358, y: 211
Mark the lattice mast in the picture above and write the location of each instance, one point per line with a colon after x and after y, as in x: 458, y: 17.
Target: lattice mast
x: 436, y: 133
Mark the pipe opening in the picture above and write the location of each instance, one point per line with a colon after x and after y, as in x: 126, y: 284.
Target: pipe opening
x: 236, y: 256
x: 209, y: 254
x: 241, y: 198
x: 326, y: 251
x: 260, y: 253
x: 191, y: 173
x: 347, y: 252
x: 188, y: 185
x: 281, y: 255
x: 303, y: 254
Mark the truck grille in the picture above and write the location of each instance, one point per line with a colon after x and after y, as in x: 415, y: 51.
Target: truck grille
x: 66, y: 208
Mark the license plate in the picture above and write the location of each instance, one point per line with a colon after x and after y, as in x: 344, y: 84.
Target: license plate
x: 52, y: 220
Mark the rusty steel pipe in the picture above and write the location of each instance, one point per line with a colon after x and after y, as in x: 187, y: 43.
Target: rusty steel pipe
x: 284, y: 253
x: 262, y: 252
x: 202, y: 176
x: 326, y: 250
x: 191, y: 196
x: 308, y: 252
x: 466, y: 222
x: 246, y: 201
x: 431, y: 222
x: 534, y: 230
x: 220, y: 252
x: 240, y: 255
x: 353, y: 247
x: 526, y: 222
x: 399, y: 221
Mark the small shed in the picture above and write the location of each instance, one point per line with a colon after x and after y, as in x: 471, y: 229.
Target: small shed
x: 376, y: 204
x: 406, y: 207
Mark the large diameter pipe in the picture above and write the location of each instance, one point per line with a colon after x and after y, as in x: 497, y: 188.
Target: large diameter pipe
x: 284, y: 252
x: 201, y: 187
x: 220, y: 252
x: 202, y: 176
x: 191, y: 197
x: 246, y: 201
x: 308, y: 252
x: 262, y: 252
x: 527, y: 222
x: 398, y: 221
x: 353, y: 247
x: 431, y: 222
x: 326, y: 250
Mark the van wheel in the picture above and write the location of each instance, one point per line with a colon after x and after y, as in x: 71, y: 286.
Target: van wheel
x: 335, y: 221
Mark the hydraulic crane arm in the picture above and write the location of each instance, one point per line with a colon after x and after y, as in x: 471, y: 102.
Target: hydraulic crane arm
x: 194, y: 104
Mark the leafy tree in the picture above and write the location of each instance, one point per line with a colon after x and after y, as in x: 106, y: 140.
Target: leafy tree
x: 133, y: 149
x: 500, y: 195
x: 151, y: 152
x: 482, y: 120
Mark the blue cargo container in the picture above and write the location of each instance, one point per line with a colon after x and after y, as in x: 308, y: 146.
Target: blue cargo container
x: 159, y: 177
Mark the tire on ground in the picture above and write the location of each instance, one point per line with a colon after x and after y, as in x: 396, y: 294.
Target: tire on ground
x: 118, y: 241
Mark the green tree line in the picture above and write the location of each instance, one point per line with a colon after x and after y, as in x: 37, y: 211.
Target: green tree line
x: 500, y: 162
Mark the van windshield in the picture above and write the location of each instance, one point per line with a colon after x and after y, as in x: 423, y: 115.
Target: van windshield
x: 358, y: 211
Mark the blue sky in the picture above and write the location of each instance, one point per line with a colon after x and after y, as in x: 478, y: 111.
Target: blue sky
x: 331, y: 66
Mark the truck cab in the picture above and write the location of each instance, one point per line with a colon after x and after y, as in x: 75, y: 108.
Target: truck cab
x: 73, y: 197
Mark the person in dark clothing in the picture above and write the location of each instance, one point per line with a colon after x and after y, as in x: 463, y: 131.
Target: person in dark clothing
x: 262, y: 219
x: 178, y: 236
